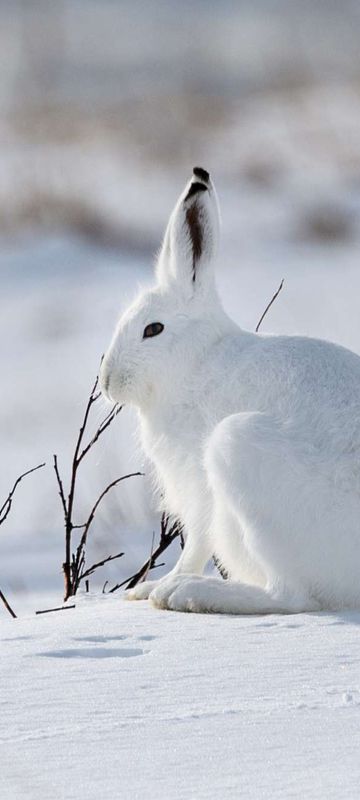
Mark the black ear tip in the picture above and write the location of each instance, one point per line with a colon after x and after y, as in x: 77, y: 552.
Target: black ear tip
x: 195, y: 188
x: 201, y: 173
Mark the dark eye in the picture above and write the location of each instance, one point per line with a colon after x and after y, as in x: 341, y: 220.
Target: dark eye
x: 153, y: 329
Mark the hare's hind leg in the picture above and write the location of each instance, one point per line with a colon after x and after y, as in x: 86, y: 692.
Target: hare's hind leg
x: 250, y: 464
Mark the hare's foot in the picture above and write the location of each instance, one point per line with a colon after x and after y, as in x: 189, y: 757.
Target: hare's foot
x: 216, y: 596
x: 193, y: 559
x: 141, y: 591
x: 162, y: 595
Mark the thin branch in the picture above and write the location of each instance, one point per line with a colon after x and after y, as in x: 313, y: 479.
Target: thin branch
x: 50, y: 610
x: 5, y: 508
x: 139, y: 575
x: 269, y: 305
x: 73, y: 565
x: 151, y: 555
x: 92, y: 569
x: 83, y: 539
x: 61, y: 487
x: 92, y: 399
x: 7, y: 605
x: 167, y: 536
x: 102, y: 427
x: 220, y: 567
x: 71, y: 496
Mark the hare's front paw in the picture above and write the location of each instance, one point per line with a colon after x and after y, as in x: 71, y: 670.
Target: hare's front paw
x: 179, y: 593
x: 141, y: 591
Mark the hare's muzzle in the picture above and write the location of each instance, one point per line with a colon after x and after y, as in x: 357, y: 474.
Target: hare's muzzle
x: 104, y: 380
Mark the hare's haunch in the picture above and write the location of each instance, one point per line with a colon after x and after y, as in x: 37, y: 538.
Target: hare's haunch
x: 255, y: 440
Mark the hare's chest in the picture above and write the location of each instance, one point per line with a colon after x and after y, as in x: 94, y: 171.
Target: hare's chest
x: 177, y: 458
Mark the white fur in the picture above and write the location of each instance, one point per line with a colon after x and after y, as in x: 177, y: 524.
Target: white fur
x: 255, y: 440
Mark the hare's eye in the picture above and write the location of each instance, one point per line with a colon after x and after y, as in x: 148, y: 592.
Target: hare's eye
x: 153, y: 329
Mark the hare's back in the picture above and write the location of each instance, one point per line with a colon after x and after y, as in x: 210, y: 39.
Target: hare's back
x: 311, y: 384
x: 318, y: 371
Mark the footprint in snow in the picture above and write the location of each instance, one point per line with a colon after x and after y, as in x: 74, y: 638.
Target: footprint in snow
x: 17, y: 638
x: 291, y: 625
x: 266, y: 625
x: 94, y: 652
x: 100, y: 638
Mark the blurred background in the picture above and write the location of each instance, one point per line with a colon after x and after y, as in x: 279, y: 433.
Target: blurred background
x: 105, y: 106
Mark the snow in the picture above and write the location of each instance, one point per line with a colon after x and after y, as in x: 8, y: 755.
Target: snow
x: 116, y: 699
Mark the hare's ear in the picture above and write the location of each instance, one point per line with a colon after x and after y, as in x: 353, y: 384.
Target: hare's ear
x: 191, y: 238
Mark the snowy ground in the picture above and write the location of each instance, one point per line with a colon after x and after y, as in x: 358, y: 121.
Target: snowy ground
x: 120, y: 700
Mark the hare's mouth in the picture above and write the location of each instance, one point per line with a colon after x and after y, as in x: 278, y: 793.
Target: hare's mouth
x: 104, y: 385
x: 121, y: 387
x: 116, y: 386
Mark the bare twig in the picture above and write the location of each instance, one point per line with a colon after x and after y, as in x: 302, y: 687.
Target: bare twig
x: 105, y: 424
x: 7, y: 605
x: 4, y: 512
x: 74, y: 563
x: 6, y: 507
x: 151, y: 555
x: 70, y: 501
x: 269, y: 305
x: 93, y: 567
x: 220, y: 567
x: 60, y: 485
x: 83, y: 540
x: 167, y: 536
x: 50, y: 610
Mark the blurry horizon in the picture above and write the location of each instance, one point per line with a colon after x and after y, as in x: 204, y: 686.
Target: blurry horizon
x: 102, y: 103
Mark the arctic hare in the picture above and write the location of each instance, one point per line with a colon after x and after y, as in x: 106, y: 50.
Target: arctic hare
x: 255, y: 439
